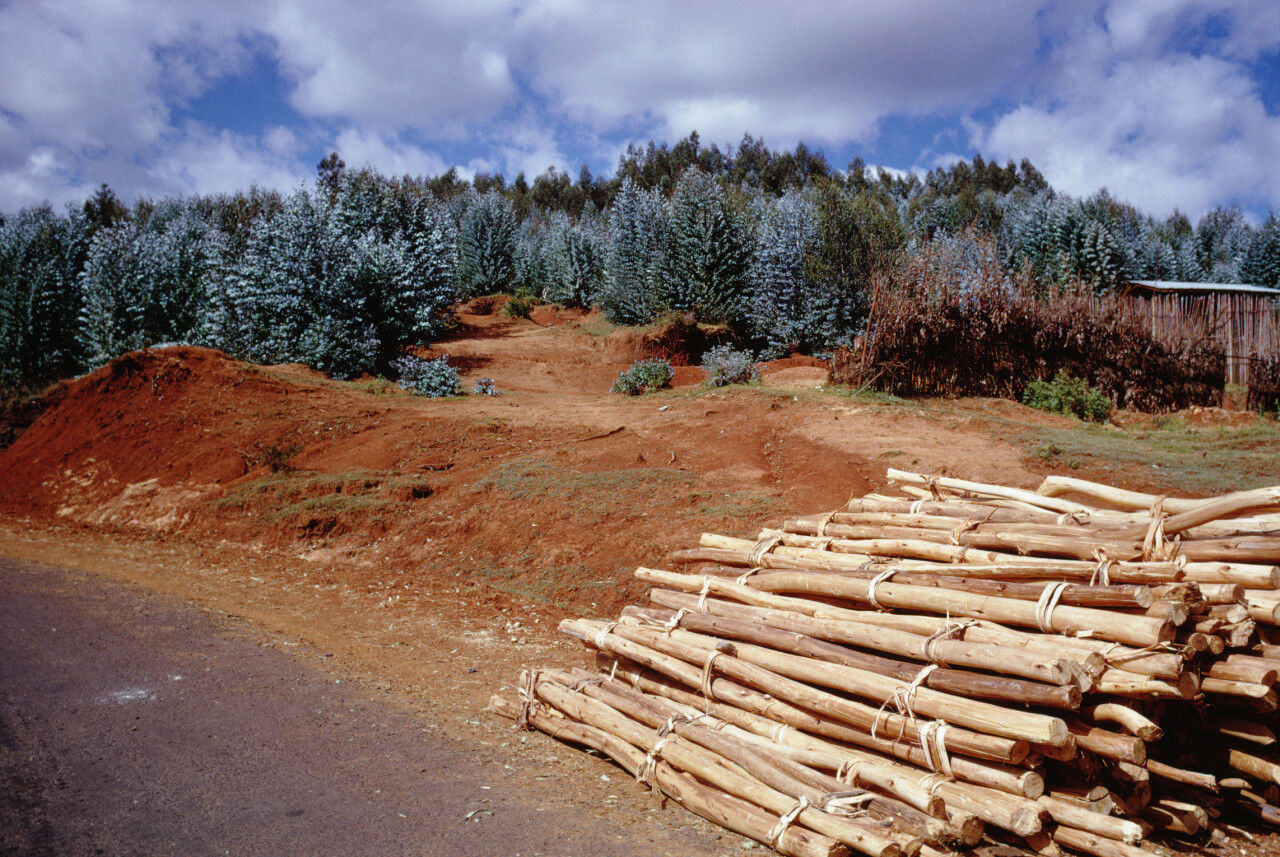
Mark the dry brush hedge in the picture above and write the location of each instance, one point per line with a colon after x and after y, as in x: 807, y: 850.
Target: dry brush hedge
x: 938, y: 330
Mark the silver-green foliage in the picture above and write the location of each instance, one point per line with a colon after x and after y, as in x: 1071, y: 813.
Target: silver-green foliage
x: 635, y: 238
x: 704, y: 265
x: 148, y: 281
x: 487, y: 239
x: 785, y: 309
x: 726, y: 365
x: 339, y: 285
x: 575, y: 254
x: 434, y: 379
x: 643, y: 376
x: 40, y: 255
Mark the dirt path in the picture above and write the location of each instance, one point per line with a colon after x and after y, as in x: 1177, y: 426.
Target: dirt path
x: 134, y: 724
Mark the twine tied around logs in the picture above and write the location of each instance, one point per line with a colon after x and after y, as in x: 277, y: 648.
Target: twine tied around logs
x: 702, y: 596
x: 1102, y: 571
x: 916, y: 506
x: 931, y: 482
x: 741, y: 579
x: 527, y: 698
x: 1125, y: 657
x: 847, y: 773
x: 948, y: 631
x: 674, y: 622
x: 1048, y: 600
x: 762, y: 547
x: 604, y: 632
x: 786, y: 821
x: 849, y: 804
x: 707, y: 669
x: 933, y: 743
x: 1154, y: 546
x: 822, y: 524
x: 968, y: 524
x: 903, y: 699
x: 650, y: 764
x: 932, y: 782
x: 871, y: 588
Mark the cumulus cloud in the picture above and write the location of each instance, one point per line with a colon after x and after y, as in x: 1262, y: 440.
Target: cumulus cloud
x: 814, y: 70
x: 200, y: 161
x: 1159, y: 100
x: 434, y: 66
x: 360, y: 148
x: 1142, y: 107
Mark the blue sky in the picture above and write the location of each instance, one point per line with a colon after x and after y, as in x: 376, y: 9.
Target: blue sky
x: 1167, y: 104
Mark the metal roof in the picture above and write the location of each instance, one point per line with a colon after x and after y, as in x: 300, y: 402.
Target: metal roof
x: 1168, y: 286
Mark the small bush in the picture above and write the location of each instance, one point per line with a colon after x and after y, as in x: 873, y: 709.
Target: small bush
x: 1066, y: 394
x: 431, y: 378
x: 726, y: 365
x: 518, y: 306
x: 484, y: 387
x: 644, y: 376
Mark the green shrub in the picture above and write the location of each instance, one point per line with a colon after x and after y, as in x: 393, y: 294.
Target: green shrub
x: 518, y: 306
x: 726, y: 365
x: 431, y: 378
x: 1066, y: 394
x: 644, y: 376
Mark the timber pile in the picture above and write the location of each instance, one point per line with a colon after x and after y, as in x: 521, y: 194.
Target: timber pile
x: 1079, y: 668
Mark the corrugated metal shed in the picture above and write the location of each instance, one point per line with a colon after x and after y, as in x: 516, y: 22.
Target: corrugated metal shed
x: 1201, y: 288
x: 1243, y: 319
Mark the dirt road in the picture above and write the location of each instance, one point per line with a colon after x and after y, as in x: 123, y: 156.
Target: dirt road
x: 135, y: 724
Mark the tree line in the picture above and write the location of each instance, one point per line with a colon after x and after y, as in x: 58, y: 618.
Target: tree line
x: 346, y: 272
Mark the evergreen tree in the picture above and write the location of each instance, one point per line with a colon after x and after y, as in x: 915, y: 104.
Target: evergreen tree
x: 40, y: 303
x: 637, y: 233
x: 1261, y: 265
x: 784, y: 311
x: 575, y: 254
x: 857, y: 233
x: 268, y: 295
x: 487, y: 246
x: 148, y: 280
x: 704, y: 263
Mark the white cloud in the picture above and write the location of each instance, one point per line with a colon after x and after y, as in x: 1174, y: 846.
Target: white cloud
x: 1160, y: 128
x: 1156, y: 99
x: 818, y: 71
x: 397, y: 65
x: 392, y: 157
x: 201, y: 161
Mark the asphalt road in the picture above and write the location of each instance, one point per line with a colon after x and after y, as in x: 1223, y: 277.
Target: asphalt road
x: 132, y: 724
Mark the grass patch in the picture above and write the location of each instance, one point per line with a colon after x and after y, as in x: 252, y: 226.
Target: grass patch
x: 1177, y: 457
x: 630, y: 491
x: 287, y: 494
x: 733, y: 504
x: 596, y: 326
x: 566, y: 587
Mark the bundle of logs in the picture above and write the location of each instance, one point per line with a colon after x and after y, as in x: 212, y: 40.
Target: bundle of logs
x: 1079, y: 668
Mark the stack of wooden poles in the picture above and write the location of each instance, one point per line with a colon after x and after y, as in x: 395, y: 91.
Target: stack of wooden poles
x: 1077, y: 668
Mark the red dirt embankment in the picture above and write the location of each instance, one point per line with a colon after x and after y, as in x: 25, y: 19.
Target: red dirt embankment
x: 553, y: 490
